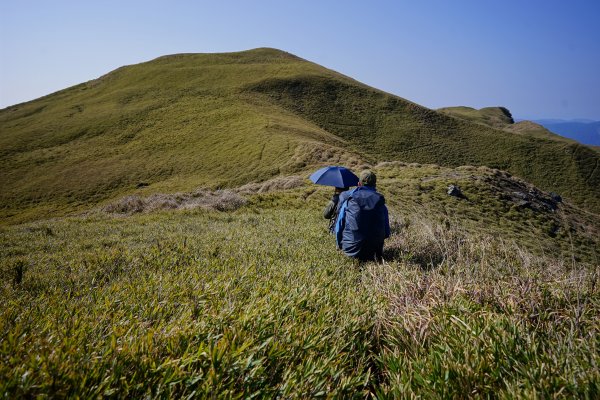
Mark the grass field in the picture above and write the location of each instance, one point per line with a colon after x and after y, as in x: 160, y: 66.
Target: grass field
x: 174, y: 124
x: 224, y: 120
x: 159, y: 238
x: 256, y: 302
x: 498, y: 117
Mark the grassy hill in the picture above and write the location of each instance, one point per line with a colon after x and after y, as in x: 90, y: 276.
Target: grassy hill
x: 501, y: 118
x: 175, y: 123
x: 222, y: 120
x: 151, y: 288
x: 496, y: 117
x: 479, y: 295
x: 387, y: 127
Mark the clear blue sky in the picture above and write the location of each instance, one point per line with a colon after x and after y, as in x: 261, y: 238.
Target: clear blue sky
x: 539, y: 58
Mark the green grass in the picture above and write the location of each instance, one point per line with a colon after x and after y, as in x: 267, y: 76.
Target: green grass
x: 490, y: 207
x: 224, y: 120
x: 479, y: 296
x: 176, y: 123
x: 388, y: 128
x: 497, y: 117
x: 257, y: 302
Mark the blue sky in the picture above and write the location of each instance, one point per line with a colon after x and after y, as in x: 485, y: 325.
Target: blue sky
x: 540, y: 59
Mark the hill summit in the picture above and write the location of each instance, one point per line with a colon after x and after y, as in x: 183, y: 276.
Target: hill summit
x: 223, y: 120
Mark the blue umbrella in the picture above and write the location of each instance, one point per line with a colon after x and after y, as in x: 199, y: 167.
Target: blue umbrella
x: 334, y: 176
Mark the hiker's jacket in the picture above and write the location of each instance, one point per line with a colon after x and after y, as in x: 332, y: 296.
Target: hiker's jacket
x: 362, y: 223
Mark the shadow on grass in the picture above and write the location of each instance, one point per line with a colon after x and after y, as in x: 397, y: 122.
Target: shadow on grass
x: 426, y: 261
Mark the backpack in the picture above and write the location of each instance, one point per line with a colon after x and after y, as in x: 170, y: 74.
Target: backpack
x: 365, y: 226
x: 339, y: 223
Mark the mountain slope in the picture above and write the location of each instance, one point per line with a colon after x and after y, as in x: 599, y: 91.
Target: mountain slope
x: 259, y: 302
x: 388, y: 127
x: 176, y: 122
x: 189, y: 120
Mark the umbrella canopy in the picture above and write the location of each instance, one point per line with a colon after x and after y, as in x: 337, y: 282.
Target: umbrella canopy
x: 334, y: 176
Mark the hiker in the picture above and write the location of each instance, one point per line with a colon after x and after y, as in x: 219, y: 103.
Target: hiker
x: 363, y: 222
x: 330, y: 211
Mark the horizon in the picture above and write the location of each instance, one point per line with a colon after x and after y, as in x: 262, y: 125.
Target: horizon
x: 538, y: 59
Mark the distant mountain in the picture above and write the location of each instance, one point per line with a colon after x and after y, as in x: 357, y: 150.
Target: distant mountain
x: 559, y: 121
x: 584, y: 131
x: 501, y: 118
x: 184, y: 121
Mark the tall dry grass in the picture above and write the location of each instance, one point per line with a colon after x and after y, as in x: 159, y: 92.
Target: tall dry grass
x: 258, y: 302
x: 469, y: 315
x: 221, y: 200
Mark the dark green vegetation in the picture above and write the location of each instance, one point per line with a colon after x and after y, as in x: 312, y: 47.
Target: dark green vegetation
x: 258, y: 302
x: 182, y: 121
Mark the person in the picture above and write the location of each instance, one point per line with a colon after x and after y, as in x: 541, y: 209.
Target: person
x: 330, y: 211
x: 363, y: 221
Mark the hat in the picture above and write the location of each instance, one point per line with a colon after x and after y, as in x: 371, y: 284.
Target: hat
x: 368, y: 178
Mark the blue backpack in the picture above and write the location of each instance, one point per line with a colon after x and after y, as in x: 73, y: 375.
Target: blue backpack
x: 339, y: 223
x: 362, y: 222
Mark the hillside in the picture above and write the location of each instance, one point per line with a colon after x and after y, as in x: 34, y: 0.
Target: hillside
x: 389, y: 128
x: 174, y: 123
x: 222, y: 120
x: 493, y: 294
x: 195, y: 262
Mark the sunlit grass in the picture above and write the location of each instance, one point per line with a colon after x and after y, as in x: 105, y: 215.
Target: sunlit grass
x: 257, y: 302
x: 224, y: 120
